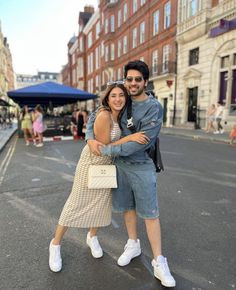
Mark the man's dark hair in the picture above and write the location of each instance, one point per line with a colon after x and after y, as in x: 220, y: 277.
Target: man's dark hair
x: 138, y: 65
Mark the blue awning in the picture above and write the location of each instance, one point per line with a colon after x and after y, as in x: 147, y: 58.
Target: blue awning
x: 49, y: 93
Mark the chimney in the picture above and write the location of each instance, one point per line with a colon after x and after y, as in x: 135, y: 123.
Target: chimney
x: 89, y: 9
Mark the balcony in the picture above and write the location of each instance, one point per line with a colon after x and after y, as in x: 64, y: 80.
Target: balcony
x: 166, y: 68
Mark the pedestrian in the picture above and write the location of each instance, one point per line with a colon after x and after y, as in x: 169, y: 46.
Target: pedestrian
x: 218, y: 118
x: 81, y: 121
x: 26, y: 125
x: 73, y: 124
x: 232, y: 135
x: 38, y: 125
x: 210, y: 116
x: 91, y: 208
x: 137, y: 181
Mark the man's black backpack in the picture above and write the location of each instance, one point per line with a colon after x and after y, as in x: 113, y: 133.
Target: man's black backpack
x: 154, y: 153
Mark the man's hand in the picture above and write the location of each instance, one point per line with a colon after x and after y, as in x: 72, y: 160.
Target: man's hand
x: 94, y: 146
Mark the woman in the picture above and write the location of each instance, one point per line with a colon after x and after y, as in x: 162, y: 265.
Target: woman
x: 91, y: 208
x: 38, y: 125
x: 210, y: 118
x: 26, y: 125
x: 81, y: 120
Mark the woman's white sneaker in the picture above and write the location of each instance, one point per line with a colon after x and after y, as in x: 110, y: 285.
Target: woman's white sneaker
x: 55, y: 261
x: 132, y: 250
x: 94, y: 246
x: 162, y: 272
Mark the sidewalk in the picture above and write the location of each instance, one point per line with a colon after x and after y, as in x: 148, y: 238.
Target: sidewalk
x: 6, y: 134
x: 198, y: 134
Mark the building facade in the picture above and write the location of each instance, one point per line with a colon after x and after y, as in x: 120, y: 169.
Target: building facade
x: 121, y: 31
x: 206, y: 73
x: 6, y: 68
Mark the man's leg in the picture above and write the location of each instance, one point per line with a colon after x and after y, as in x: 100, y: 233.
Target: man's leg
x: 159, y: 263
x: 153, y: 228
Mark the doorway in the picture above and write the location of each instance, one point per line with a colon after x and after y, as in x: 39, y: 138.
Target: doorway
x: 192, y: 104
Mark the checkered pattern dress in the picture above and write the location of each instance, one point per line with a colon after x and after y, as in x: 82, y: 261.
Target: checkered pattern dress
x: 88, y: 207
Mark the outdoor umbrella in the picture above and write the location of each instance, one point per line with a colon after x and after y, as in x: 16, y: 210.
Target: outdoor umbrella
x: 49, y: 93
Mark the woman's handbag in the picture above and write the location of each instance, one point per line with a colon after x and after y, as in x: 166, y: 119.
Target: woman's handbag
x: 102, y: 176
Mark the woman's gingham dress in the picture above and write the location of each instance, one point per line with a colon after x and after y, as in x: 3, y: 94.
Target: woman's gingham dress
x: 88, y: 207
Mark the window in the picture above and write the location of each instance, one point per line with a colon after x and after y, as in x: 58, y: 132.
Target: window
x: 155, y: 22
x: 234, y: 59
x: 194, y: 56
x: 112, y: 51
x: 97, y: 58
x: 155, y: 61
x: 165, y: 58
x: 192, y: 7
x: 112, y: 23
x: 125, y: 12
x: 119, y: 48
x: 106, y: 53
x: 142, y: 2
x: 167, y: 10
x: 81, y: 48
x: 225, y: 61
x: 134, y: 38
x: 119, y: 18
x: 142, y: 32
x: 97, y: 30
x: 125, y: 44
x: 106, y: 26
x: 90, y: 40
x: 135, y: 6
x: 102, y: 49
x: 119, y: 74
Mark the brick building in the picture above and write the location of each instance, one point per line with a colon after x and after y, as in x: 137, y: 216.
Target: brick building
x: 120, y: 31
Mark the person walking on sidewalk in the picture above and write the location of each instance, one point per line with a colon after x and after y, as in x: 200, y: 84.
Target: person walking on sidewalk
x: 26, y: 125
x: 232, y: 135
x: 91, y: 208
x: 210, y: 116
x: 218, y: 117
x: 137, y: 181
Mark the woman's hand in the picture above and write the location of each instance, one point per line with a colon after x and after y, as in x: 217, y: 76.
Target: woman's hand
x: 139, y: 137
x: 94, y: 146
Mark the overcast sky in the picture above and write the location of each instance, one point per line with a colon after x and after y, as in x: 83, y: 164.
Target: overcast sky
x: 38, y: 31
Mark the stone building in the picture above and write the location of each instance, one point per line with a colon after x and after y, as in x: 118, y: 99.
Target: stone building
x: 206, y: 73
x: 6, y: 68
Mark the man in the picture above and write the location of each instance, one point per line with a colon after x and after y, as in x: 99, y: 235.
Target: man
x: 137, y: 184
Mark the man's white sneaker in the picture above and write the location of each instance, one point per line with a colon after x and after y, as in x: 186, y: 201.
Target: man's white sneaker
x: 94, y: 246
x: 221, y: 131
x: 216, y: 132
x: 162, y: 272
x: 132, y: 250
x: 39, y: 145
x: 55, y: 261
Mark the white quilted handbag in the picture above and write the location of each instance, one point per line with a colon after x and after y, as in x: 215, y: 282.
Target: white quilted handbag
x: 102, y: 176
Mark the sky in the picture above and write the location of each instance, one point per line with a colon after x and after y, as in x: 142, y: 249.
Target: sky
x: 38, y: 31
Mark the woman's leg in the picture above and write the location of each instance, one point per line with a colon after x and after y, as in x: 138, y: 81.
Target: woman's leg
x: 60, y: 231
x: 26, y: 136
x: 93, y: 243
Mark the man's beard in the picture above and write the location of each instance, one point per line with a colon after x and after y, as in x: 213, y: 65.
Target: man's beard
x: 137, y: 93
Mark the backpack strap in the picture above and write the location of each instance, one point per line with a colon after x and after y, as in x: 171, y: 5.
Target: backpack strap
x: 130, y: 124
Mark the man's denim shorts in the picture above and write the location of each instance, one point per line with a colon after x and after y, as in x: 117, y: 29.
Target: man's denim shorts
x: 137, y: 189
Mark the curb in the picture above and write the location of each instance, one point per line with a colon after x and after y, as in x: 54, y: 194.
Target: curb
x: 8, y: 139
x: 196, y: 137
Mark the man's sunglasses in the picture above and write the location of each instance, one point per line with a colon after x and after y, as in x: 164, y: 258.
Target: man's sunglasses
x: 111, y: 83
x: 137, y: 79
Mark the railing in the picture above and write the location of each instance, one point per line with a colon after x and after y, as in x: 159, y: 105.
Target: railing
x: 162, y: 69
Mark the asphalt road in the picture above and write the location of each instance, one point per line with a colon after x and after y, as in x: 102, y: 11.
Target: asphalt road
x: 197, y: 195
